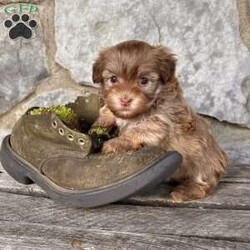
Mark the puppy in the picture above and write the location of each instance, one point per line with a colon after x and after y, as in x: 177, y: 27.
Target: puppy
x: 144, y: 100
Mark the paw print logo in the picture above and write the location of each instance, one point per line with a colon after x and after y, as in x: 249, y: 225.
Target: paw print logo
x: 20, y: 26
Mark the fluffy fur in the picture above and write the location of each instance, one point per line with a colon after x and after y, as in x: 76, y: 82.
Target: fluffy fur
x: 143, y: 98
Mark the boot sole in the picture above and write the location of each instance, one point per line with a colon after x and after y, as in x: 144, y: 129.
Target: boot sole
x: 25, y: 173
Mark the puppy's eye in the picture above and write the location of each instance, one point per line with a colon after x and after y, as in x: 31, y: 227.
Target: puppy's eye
x: 113, y: 79
x: 143, y: 81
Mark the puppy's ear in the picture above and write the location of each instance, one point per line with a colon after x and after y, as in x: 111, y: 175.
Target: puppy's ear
x: 97, y: 70
x: 167, y: 63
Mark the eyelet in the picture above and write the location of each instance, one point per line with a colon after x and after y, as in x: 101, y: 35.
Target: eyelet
x: 70, y: 137
x: 81, y: 141
x: 54, y: 124
x: 61, y: 131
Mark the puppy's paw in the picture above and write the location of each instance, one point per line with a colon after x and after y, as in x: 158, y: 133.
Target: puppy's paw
x: 116, y: 145
x: 178, y: 196
x: 187, y: 192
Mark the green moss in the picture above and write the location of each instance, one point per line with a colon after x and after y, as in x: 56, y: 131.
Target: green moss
x: 98, y: 130
x: 98, y: 136
x: 64, y: 113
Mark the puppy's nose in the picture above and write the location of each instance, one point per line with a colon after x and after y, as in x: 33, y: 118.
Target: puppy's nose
x: 125, y: 101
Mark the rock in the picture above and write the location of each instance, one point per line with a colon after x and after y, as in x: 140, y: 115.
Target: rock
x: 22, y: 64
x: 213, y: 61
x: 234, y: 140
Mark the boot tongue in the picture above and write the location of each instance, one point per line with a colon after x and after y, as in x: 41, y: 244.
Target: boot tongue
x: 87, y: 107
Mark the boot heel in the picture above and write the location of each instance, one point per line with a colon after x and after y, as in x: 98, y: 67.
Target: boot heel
x: 18, y: 175
x: 12, y: 167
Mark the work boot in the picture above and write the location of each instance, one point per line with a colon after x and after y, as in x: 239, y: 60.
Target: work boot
x: 58, y: 157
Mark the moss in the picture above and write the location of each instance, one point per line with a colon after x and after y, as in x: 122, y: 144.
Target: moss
x: 98, y: 135
x: 98, y: 130
x: 65, y: 114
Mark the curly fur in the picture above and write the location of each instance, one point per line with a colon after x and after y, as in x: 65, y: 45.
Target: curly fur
x: 155, y: 113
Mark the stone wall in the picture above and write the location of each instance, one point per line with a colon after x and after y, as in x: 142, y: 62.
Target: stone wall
x: 210, y: 37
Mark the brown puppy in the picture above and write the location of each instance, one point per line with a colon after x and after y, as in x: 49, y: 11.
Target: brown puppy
x: 143, y: 98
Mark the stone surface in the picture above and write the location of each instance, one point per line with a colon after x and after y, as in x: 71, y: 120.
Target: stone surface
x: 213, y: 61
x: 234, y: 140
x: 22, y: 64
